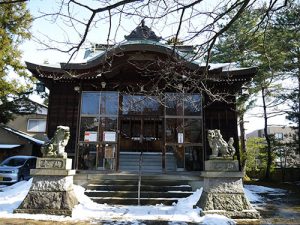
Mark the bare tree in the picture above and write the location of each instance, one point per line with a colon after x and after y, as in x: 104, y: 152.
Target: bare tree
x: 196, y: 22
x: 193, y: 21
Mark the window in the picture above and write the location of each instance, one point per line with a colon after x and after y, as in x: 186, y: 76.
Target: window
x: 99, y: 113
x: 192, y: 105
x: 88, y: 125
x: 109, y: 103
x: 174, y: 104
x: 193, y: 158
x: 193, y: 130
x: 173, y: 127
x: 187, y: 109
x: 141, y: 105
x: 279, y: 136
x: 36, y: 125
x: 90, y: 103
x: 108, y: 124
x: 87, y: 158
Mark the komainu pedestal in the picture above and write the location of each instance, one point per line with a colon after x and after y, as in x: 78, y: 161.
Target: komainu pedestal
x: 223, y: 191
x: 51, y: 191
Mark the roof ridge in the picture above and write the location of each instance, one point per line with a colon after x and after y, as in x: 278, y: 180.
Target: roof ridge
x: 22, y: 134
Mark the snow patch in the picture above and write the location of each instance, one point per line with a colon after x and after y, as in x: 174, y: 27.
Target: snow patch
x: 179, y: 213
x: 253, y: 192
x: 12, y: 196
x: 215, y: 219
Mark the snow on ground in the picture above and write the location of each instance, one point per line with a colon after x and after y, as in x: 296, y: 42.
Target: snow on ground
x: 253, y: 192
x: 12, y: 196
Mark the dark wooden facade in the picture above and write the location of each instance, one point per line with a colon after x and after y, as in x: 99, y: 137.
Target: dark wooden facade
x: 64, y: 106
x: 116, y: 69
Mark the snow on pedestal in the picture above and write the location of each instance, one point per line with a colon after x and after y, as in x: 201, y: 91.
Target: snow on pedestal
x: 51, y: 191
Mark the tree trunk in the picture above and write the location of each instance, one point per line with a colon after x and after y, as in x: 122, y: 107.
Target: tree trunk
x: 243, y: 143
x: 298, y: 111
x: 269, y: 150
x: 285, y: 164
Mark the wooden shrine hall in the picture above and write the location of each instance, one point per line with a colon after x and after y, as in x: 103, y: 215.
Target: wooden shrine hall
x: 141, y: 97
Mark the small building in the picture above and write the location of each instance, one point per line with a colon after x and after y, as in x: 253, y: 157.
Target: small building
x: 284, y: 134
x: 33, y: 124
x: 14, y: 142
x: 141, y: 97
x: 286, y: 155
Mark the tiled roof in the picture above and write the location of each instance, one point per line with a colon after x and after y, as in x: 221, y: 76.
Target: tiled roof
x: 23, y: 135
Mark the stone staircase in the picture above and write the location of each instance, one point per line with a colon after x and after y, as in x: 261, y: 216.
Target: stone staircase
x: 155, y: 189
x: 151, y: 162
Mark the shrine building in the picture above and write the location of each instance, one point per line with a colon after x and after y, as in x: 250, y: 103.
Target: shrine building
x: 141, y: 97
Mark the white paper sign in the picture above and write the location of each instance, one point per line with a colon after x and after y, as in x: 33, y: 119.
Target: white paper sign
x: 90, y: 136
x: 180, y: 138
x: 109, y: 136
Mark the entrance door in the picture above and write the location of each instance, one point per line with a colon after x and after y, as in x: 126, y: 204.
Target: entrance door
x: 141, y: 134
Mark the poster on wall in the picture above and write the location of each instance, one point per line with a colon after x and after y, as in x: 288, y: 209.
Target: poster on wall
x: 180, y: 138
x: 109, y: 152
x: 109, y: 136
x: 90, y: 136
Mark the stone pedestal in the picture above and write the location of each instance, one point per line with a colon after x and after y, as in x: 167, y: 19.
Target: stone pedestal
x: 223, y: 191
x: 51, y: 191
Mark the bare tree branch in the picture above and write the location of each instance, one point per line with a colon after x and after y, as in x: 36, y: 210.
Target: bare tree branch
x: 12, y: 1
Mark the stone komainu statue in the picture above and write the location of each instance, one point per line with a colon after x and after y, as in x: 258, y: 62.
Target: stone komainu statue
x: 218, y: 145
x: 55, y: 147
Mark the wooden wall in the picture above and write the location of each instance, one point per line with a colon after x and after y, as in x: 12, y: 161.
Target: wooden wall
x: 64, y: 103
x: 221, y: 116
x: 63, y: 110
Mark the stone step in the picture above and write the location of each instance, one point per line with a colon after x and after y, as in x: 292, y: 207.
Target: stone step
x: 134, y: 194
x: 152, y: 188
x: 144, y: 181
x: 143, y: 169
x: 144, y: 158
x: 137, y: 155
x: 145, y: 165
x: 134, y: 201
x: 133, y: 170
x: 155, y: 189
x: 145, y: 162
x: 151, y: 162
x: 95, y: 176
x: 124, y: 192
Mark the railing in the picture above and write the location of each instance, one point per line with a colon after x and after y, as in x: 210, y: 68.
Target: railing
x: 140, y: 178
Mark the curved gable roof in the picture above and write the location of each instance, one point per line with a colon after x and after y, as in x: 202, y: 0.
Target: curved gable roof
x: 141, y: 40
x: 127, y: 46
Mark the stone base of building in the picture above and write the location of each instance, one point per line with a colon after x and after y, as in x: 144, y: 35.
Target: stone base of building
x: 51, y: 191
x: 223, y: 192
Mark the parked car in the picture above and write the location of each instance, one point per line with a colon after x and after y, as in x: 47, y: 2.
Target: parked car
x: 16, y: 168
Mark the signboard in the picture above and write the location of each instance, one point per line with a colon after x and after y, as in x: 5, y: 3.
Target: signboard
x: 109, y: 152
x: 180, y: 138
x: 109, y: 136
x: 90, y: 136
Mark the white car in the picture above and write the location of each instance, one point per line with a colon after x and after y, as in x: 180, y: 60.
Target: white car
x: 16, y: 168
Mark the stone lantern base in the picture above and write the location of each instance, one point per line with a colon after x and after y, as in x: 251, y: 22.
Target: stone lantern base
x: 51, y: 191
x: 223, y: 191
